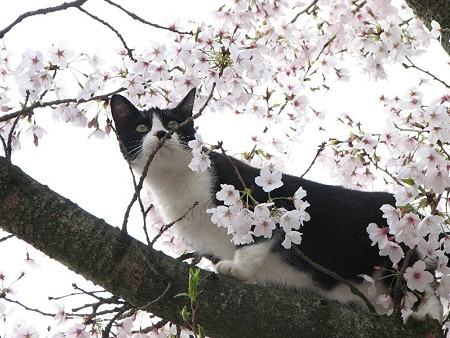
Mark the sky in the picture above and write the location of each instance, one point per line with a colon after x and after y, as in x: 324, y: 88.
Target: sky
x: 92, y: 172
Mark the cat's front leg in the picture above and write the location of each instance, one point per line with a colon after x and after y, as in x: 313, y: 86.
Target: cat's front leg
x: 247, y: 260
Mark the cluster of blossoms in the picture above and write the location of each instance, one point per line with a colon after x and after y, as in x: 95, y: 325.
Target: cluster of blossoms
x: 260, y: 58
x: 412, y: 156
x: 249, y: 219
x: 243, y: 216
x: 257, y: 58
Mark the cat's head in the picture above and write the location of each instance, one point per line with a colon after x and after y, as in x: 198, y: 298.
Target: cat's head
x: 140, y: 131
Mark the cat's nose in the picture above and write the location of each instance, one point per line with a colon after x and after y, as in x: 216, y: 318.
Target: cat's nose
x: 160, y: 134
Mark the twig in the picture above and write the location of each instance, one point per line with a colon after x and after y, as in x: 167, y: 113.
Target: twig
x: 29, y: 308
x: 306, y: 10
x: 107, y: 329
x: 236, y: 170
x: 96, y: 18
x: 112, y: 299
x: 321, y: 148
x: 138, y: 18
x: 8, y: 150
x: 35, y: 105
x: 424, y: 71
x: 64, y: 6
x: 6, y: 238
x: 334, y: 275
x: 399, y: 281
x: 168, y: 226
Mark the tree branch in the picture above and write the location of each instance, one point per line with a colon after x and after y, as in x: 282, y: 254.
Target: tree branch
x: 138, y: 18
x: 141, y: 275
x: 63, y: 6
x: 115, y: 31
x: 35, y: 105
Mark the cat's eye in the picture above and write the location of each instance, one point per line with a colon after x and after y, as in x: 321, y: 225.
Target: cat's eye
x: 172, y: 125
x: 142, y: 128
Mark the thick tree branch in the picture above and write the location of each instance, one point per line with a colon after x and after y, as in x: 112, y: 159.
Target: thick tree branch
x: 148, y: 278
x: 437, y: 10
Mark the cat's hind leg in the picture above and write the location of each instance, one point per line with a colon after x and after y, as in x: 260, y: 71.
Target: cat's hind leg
x: 247, y: 260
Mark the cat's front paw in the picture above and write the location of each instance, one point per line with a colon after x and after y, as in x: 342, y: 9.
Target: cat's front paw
x: 230, y: 268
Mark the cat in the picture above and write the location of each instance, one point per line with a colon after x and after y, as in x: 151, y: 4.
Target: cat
x: 335, y: 237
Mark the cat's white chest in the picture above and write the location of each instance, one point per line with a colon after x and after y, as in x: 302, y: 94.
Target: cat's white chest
x: 183, y: 196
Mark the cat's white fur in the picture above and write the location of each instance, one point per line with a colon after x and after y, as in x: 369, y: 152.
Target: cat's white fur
x: 176, y: 189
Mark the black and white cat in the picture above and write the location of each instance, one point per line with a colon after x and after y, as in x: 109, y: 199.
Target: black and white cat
x: 335, y: 237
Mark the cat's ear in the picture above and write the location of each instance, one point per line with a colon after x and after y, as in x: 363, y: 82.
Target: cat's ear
x: 123, y: 111
x: 186, y: 105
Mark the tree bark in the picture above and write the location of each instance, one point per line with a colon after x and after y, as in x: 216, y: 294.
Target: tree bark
x: 437, y: 10
x: 150, y: 280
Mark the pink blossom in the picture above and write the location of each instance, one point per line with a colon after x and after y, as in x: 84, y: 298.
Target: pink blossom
x: 291, y: 220
x: 393, y: 250
x: 391, y: 214
x: 60, y: 55
x: 77, y: 331
x: 367, y: 143
x: 436, y: 30
x: 386, y: 302
x: 405, y: 196
x: 197, y: 144
x: 430, y: 225
x: 264, y: 225
x: 417, y: 278
x: 437, y: 178
x: 61, y: 315
x: 97, y: 133
x: 24, y: 331
x: 33, y: 60
x: 269, y: 180
x: 228, y: 194
x: 298, y: 196
x: 222, y: 216
x: 291, y: 237
x: 200, y: 162
x: 378, y: 235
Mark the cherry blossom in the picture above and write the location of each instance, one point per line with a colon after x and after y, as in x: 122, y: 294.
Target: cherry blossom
x: 200, y: 162
x: 77, y: 331
x: 61, y: 315
x: 393, y: 250
x: 228, y: 194
x: 24, y: 331
x: 197, y: 144
x: 60, y: 55
x: 417, y: 278
x: 291, y: 237
x: 386, y: 302
x: 255, y: 59
x: 378, y: 235
x: 264, y: 224
x: 36, y: 131
x: 269, y: 180
x: 436, y: 30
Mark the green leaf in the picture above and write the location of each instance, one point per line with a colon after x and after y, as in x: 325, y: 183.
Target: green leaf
x: 201, y: 331
x: 185, y: 314
x: 183, y: 294
x: 409, y: 181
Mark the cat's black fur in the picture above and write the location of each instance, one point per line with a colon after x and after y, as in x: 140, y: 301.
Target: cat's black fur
x: 335, y: 237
